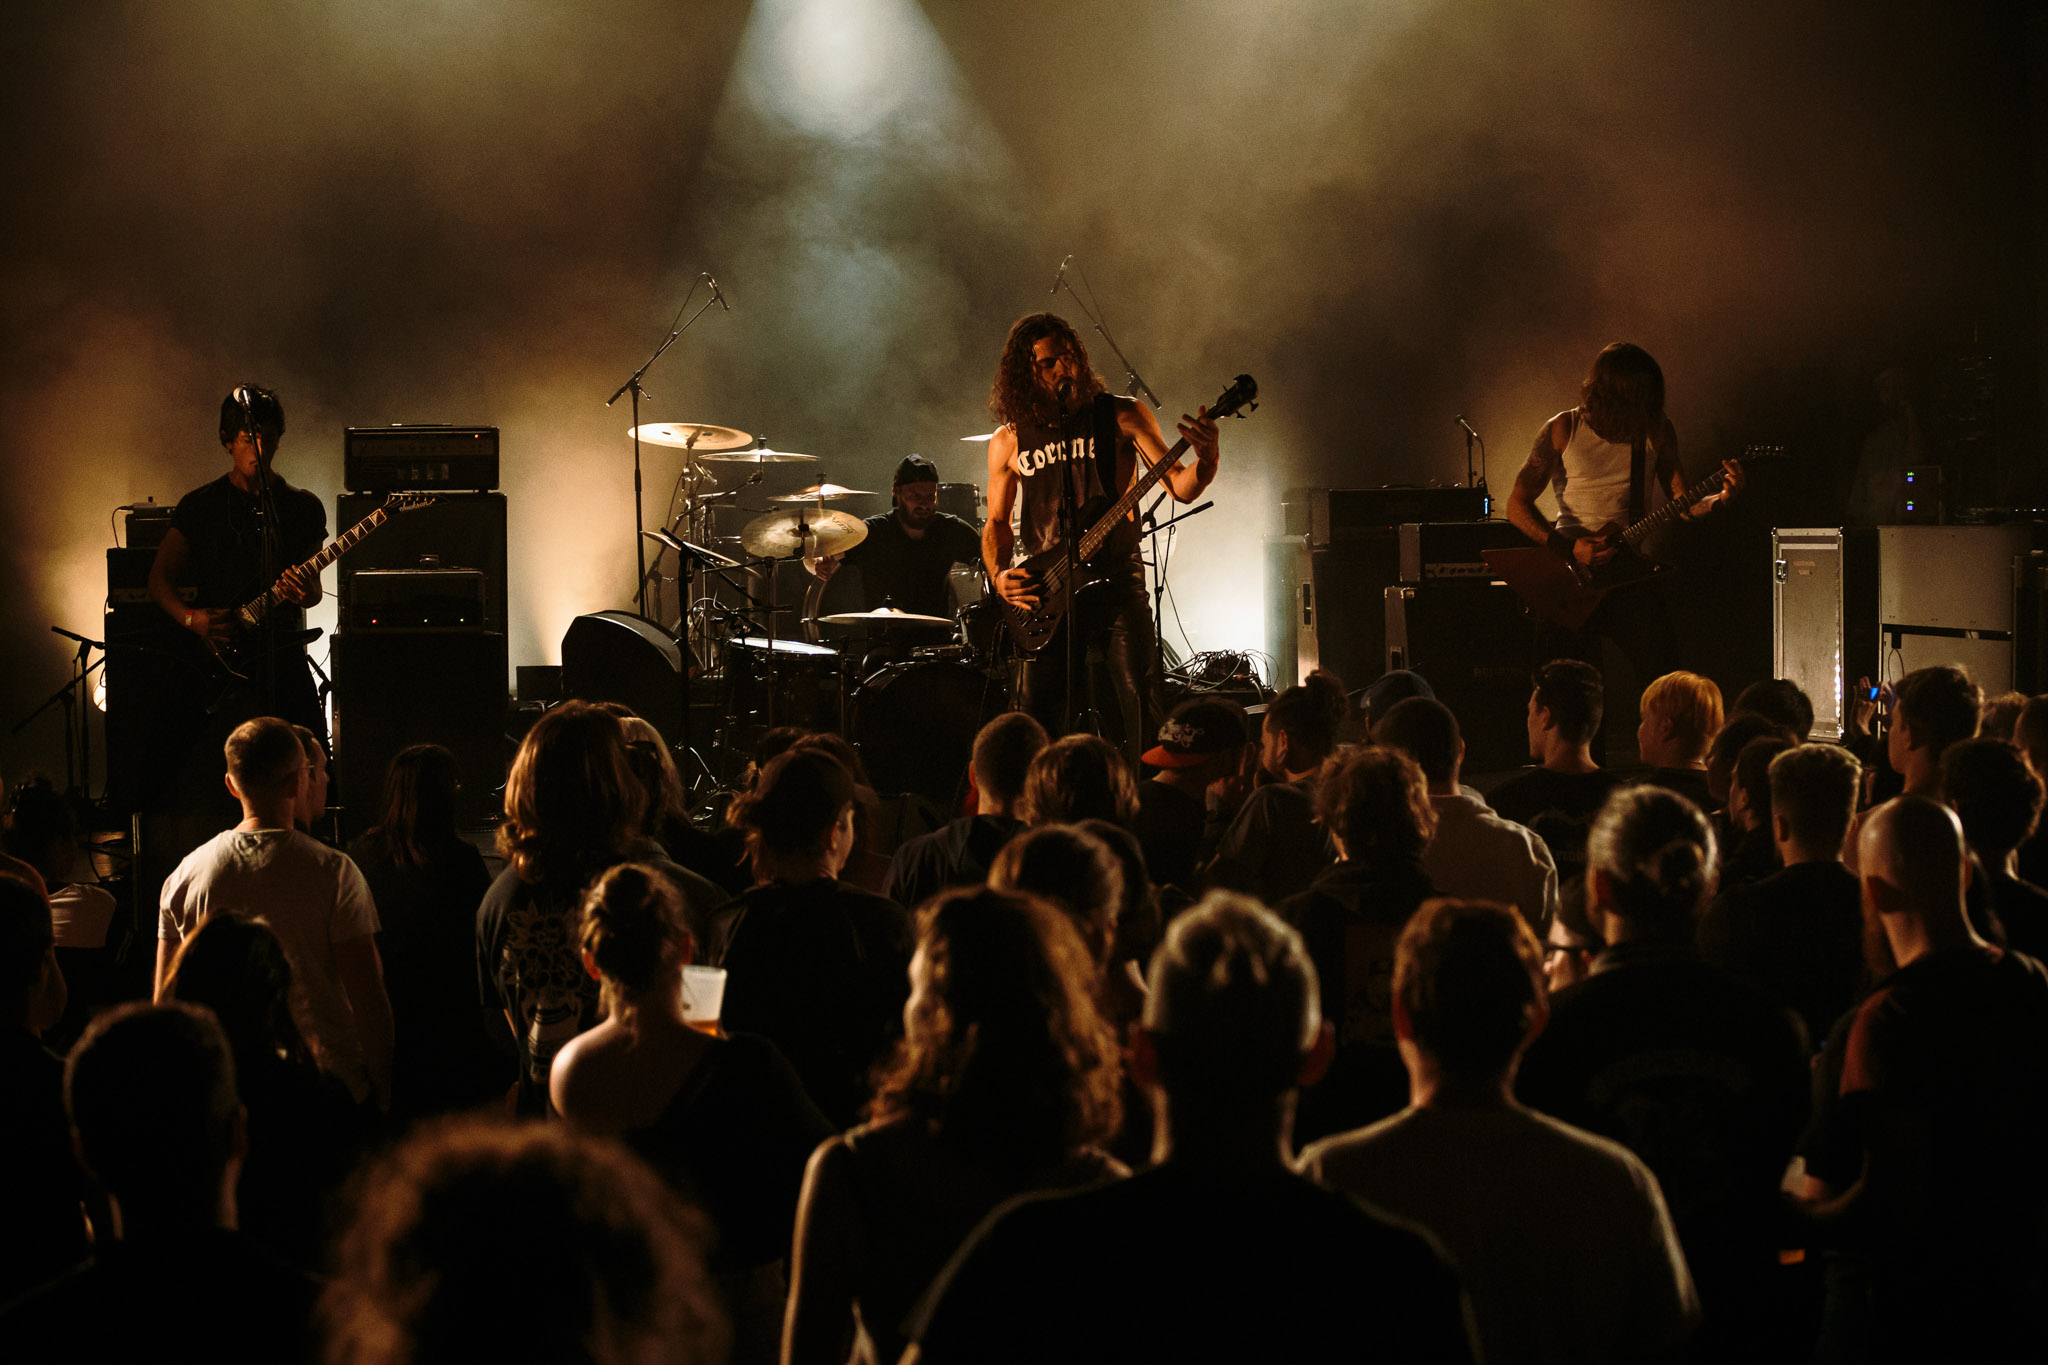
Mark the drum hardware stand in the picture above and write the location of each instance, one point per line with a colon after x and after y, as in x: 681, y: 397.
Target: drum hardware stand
x: 632, y: 386
x: 1159, y: 565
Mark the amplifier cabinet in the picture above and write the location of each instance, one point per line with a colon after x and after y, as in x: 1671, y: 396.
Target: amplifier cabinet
x: 1476, y: 646
x: 458, y: 531
x: 395, y: 689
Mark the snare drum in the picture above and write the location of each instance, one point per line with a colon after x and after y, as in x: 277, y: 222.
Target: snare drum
x: 802, y: 678
x: 915, y: 725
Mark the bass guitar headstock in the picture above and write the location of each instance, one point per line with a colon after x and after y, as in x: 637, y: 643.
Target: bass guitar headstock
x: 1240, y: 397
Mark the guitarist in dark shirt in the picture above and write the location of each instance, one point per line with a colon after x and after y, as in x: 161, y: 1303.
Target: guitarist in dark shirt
x: 1057, y: 421
x: 1598, y: 458
x: 220, y: 545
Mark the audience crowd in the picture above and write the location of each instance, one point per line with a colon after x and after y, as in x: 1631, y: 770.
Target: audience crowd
x: 1299, y: 1042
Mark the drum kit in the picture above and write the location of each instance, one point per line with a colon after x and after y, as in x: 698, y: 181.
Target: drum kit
x: 911, y: 707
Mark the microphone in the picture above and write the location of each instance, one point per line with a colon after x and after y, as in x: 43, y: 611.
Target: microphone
x: 716, y: 293
x: 1066, y: 390
x: 1468, y: 427
x: 1061, y: 276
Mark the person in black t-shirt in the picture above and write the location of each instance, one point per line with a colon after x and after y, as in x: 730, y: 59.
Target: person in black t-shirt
x: 1939, y: 1195
x: 1998, y: 799
x: 1560, y: 796
x: 227, y: 549
x: 1219, y: 1251
x: 1797, y: 935
x: 816, y: 966
x: 961, y: 852
x: 1201, y: 745
x: 1060, y: 425
x: 904, y: 559
x: 1681, y: 713
x: 1702, y: 1077
x: 151, y: 1094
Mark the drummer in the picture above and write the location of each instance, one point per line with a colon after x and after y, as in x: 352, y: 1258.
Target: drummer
x: 909, y: 550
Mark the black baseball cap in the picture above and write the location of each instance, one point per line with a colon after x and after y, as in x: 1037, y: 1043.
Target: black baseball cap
x: 915, y: 469
x: 1195, y: 729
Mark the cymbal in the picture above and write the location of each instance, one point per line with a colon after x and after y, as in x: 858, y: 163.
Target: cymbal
x: 881, y: 616
x: 986, y: 436
x: 701, y: 437
x: 780, y: 535
x: 823, y: 492
x: 763, y: 456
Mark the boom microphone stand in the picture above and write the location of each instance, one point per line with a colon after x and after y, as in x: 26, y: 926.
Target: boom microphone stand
x: 688, y: 566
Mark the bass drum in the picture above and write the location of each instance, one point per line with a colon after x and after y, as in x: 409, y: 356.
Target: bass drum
x: 915, y: 724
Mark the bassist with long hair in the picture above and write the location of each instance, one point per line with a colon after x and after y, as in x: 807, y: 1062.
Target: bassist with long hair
x: 1058, y: 423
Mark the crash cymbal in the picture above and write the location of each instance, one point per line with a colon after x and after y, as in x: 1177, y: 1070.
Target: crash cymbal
x: 985, y: 436
x: 761, y: 456
x: 817, y: 532
x: 701, y: 437
x: 884, y: 615
x: 823, y: 492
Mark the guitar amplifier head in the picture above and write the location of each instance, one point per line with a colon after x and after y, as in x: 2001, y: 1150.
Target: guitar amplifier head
x: 385, y: 600
x: 386, y: 459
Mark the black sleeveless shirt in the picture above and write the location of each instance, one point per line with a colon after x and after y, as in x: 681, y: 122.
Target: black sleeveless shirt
x: 1083, y: 449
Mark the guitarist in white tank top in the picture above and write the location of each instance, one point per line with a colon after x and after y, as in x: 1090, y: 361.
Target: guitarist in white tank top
x: 1599, y: 458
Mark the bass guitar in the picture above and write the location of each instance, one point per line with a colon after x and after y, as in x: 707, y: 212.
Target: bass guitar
x: 232, y: 659
x: 1031, y: 629
x: 1565, y: 591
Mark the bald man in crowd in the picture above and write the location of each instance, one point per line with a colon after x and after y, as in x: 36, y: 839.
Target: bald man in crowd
x: 1932, y: 1181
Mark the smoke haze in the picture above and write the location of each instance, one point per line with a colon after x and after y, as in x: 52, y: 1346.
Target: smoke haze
x: 1390, y: 214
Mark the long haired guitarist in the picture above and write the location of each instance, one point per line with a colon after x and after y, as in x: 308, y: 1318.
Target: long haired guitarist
x: 233, y: 538
x: 1599, y: 458
x: 1058, y: 423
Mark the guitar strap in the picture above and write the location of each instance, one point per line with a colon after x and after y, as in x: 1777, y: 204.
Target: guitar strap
x: 1636, y: 462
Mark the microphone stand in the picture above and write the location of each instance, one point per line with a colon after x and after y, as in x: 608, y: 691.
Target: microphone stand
x: 1134, y: 383
x: 77, y: 738
x: 632, y: 386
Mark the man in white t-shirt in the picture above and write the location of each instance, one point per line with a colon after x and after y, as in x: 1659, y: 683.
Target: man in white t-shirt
x: 1474, y: 853
x: 1563, y: 1239
x: 311, y: 896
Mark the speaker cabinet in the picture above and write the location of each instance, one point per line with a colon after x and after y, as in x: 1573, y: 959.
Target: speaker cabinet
x: 1477, y: 648
x: 1349, y: 582
x: 617, y: 656
x: 1946, y: 596
x: 419, y: 687
x: 458, y: 531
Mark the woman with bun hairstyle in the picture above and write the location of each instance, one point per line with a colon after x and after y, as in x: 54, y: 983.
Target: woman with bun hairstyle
x: 1006, y: 1082
x: 1274, y: 848
x: 815, y: 965
x: 1705, y: 1078
x: 723, y: 1119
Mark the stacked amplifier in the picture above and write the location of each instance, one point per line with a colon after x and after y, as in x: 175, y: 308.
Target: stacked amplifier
x: 1367, y: 579
x: 420, y: 644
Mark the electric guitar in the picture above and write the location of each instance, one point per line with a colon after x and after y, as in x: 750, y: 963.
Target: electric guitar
x: 1031, y: 629
x: 1567, y: 592
x: 232, y: 659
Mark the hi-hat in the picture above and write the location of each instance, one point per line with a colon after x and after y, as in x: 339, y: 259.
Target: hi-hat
x: 884, y: 615
x: 700, y: 437
x: 761, y: 456
x: 780, y: 535
x: 684, y: 547
x: 823, y: 492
